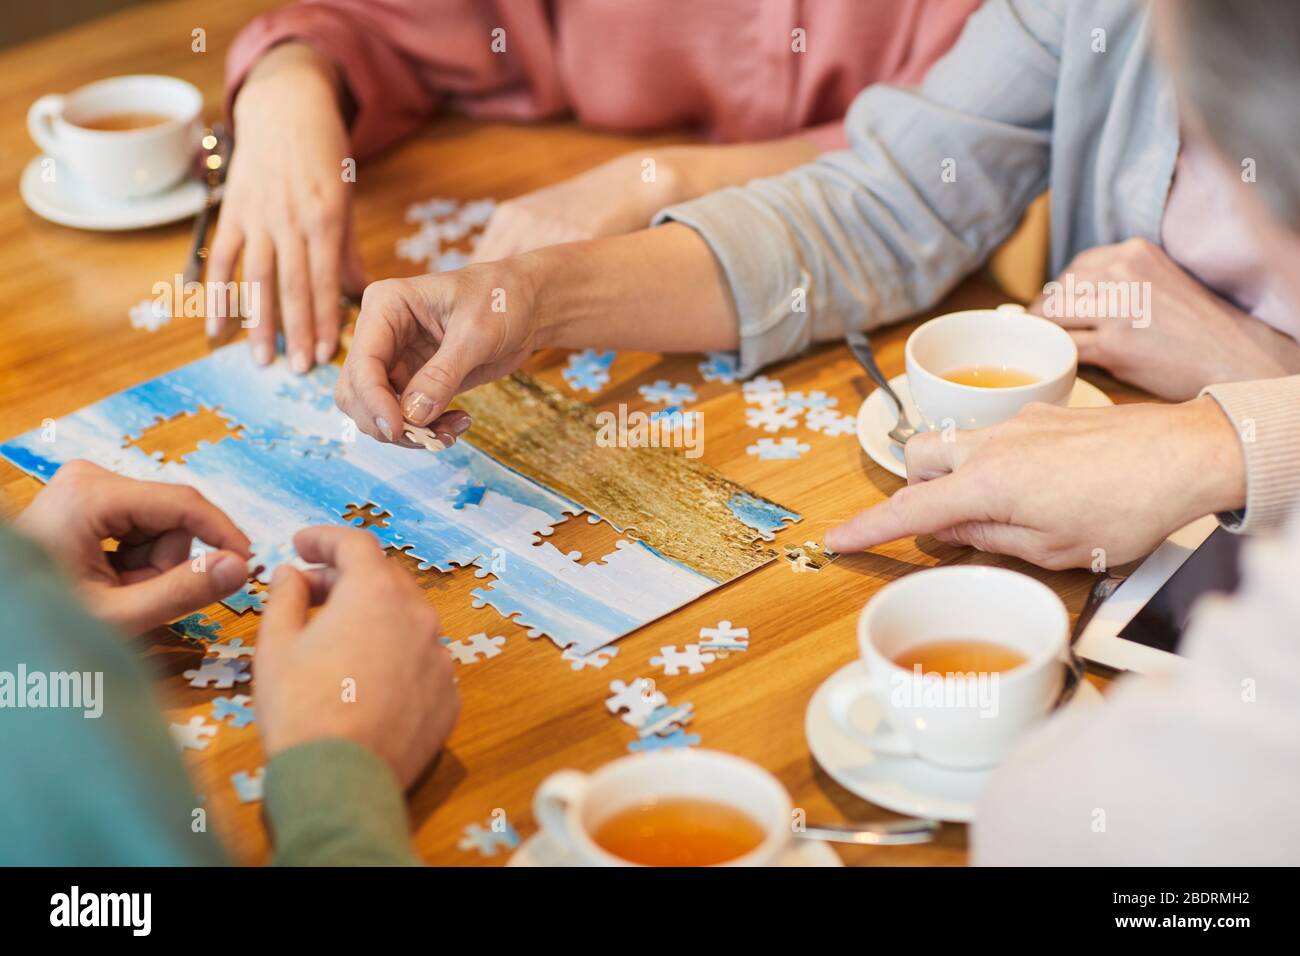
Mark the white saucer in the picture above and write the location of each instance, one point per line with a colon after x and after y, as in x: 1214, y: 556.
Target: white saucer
x: 541, y: 850
x: 876, y: 417
x: 903, y: 784
x: 66, y: 203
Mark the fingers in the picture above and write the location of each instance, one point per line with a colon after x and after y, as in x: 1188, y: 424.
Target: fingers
x: 324, y: 255
x: 353, y: 268
x: 259, y: 269
x: 345, y: 549
x: 1088, y: 342
x: 929, y: 456
x: 451, y: 425
x: 222, y: 255
x: 291, y: 272
x: 364, y: 392
x: 916, y: 509
x: 285, y: 613
x: 154, y: 508
x: 434, y: 385
x: 1014, y: 540
x: 173, y: 593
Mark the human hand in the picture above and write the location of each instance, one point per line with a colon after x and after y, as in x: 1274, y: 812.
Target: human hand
x: 367, y: 667
x: 1060, y: 487
x: 287, y: 208
x: 611, y: 199
x: 423, y: 340
x: 151, y: 578
x: 1173, y: 341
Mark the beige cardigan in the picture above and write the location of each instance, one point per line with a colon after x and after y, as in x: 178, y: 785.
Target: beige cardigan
x: 1266, y: 414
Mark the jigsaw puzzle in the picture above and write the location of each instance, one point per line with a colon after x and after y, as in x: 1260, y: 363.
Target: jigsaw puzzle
x: 677, y: 739
x: 237, y: 710
x: 195, y: 627
x: 487, y: 841
x: 532, y: 452
x: 246, y: 599
x: 724, y: 638
x: 689, y: 657
x: 196, y: 734
x: 249, y: 787
x: 787, y: 449
x: 478, y: 647
x: 215, y: 672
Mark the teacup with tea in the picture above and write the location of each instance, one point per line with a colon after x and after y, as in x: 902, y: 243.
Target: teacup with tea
x: 122, y: 138
x: 675, y: 808
x: 977, y: 368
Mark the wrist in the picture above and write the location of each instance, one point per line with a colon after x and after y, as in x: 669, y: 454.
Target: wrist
x: 1221, y: 463
x: 295, y: 61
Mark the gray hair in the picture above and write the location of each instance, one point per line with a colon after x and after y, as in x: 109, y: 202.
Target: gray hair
x: 1237, y: 65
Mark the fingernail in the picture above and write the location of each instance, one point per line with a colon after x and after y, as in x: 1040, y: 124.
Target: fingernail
x: 229, y: 572
x: 461, y: 425
x: 262, y: 354
x: 447, y: 439
x: 324, y: 352
x: 212, y: 326
x: 418, y: 408
x: 385, y: 428
x: 300, y: 363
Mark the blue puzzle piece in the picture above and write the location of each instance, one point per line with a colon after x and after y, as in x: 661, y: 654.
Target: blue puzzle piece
x: 586, y: 378
x: 249, y: 786
x: 468, y: 494
x: 237, y: 710
x: 592, y: 359
x: 195, y: 627
x: 663, y: 393
x: 245, y: 598
x: 677, y: 739
x: 488, y: 841
x: 718, y: 367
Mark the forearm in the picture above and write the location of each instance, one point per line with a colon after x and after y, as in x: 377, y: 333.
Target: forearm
x: 657, y: 290
x: 696, y: 170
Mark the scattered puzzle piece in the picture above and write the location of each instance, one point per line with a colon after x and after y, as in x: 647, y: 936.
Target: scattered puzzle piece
x: 807, y: 400
x: 830, y: 422
x: 219, y: 673
x: 718, y: 367
x: 244, y: 599
x: 597, y: 658
x: 230, y: 650
x: 809, y: 556
x: 149, y: 314
x: 195, y: 627
x: 424, y: 436
x: 724, y: 638
x: 663, y: 393
x: 236, y: 710
x: 479, y: 647
x: 249, y: 787
x: 689, y: 657
x: 666, y: 719
x: 585, y: 379
x: 267, y: 557
x: 194, y: 735
x: 785, y: 449
x: 676, y: 740
x: 771, y: 418
x: 487, y: 841
x: 763, y: 390
x: 638, y: 698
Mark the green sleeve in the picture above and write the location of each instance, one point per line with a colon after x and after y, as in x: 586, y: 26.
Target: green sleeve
x: 334, y: 803
x: 99, y: 783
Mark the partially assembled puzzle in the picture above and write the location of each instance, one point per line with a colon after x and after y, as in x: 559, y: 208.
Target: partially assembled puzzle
x: 291, y: 459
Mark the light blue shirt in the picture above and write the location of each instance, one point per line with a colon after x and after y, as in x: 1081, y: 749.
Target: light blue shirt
x: 1035, y: 93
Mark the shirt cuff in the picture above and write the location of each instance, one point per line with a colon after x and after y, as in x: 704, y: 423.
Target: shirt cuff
x: 334, y: 803
x: 768, y: 284
x: 1266, y: 414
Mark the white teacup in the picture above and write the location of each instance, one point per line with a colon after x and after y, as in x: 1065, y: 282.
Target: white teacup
x: 120, y: 164
x: 961, y: 722
x: 1005, y: 337
x: 570, y: 805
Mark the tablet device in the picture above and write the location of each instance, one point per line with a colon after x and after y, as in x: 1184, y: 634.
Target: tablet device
x: 1140, y: 626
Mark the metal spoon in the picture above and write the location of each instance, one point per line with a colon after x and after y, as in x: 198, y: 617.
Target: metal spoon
x: 879, y: 833
x: 860, y: 346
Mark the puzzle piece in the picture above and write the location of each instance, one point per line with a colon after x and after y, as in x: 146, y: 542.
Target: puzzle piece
x: 597, y: 658
x: 194, y: 735
x: 808, y: 556
x: 430, y: 209
x: 216, y: 672
x: 785, y: 449
x: 149, y: 314
x: 724, y: 638
x: 246, y: 598
x: 763, y: 390
x: 807, y: 400
x: 689, y: 657
x: 479, y: 646
x: 231, y: 650
x: 450, y: 261
x: 666, y: 719
x: 830, y: 422
x: 670, y: 417
x: 638, y: 698
x: 771, y: 418
x: 675, y: 741
x: 718, y: 367
x: 477, y: 212
x: 195, y: 627
x: 467, y: 494
x: 663, y: 393
x: 267, y: 557
x: 585, y: 378
x: 249, y: 787
x: 237, y: 710
x: 424, y: 436
x: 488, y: 841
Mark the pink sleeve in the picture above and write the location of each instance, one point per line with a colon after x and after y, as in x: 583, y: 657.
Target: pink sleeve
x: 399, y: 59
x: 828, y: 136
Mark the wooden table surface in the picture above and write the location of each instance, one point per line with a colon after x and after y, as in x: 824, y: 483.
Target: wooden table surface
x: 64, y: 296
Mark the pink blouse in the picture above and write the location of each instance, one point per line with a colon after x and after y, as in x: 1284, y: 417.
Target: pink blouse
x: 730, y: 68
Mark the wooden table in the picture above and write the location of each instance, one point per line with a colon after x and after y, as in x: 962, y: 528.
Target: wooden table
x: 64, y: 296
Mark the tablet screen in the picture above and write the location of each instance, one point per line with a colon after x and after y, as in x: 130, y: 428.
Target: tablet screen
x: 1210, y: 568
